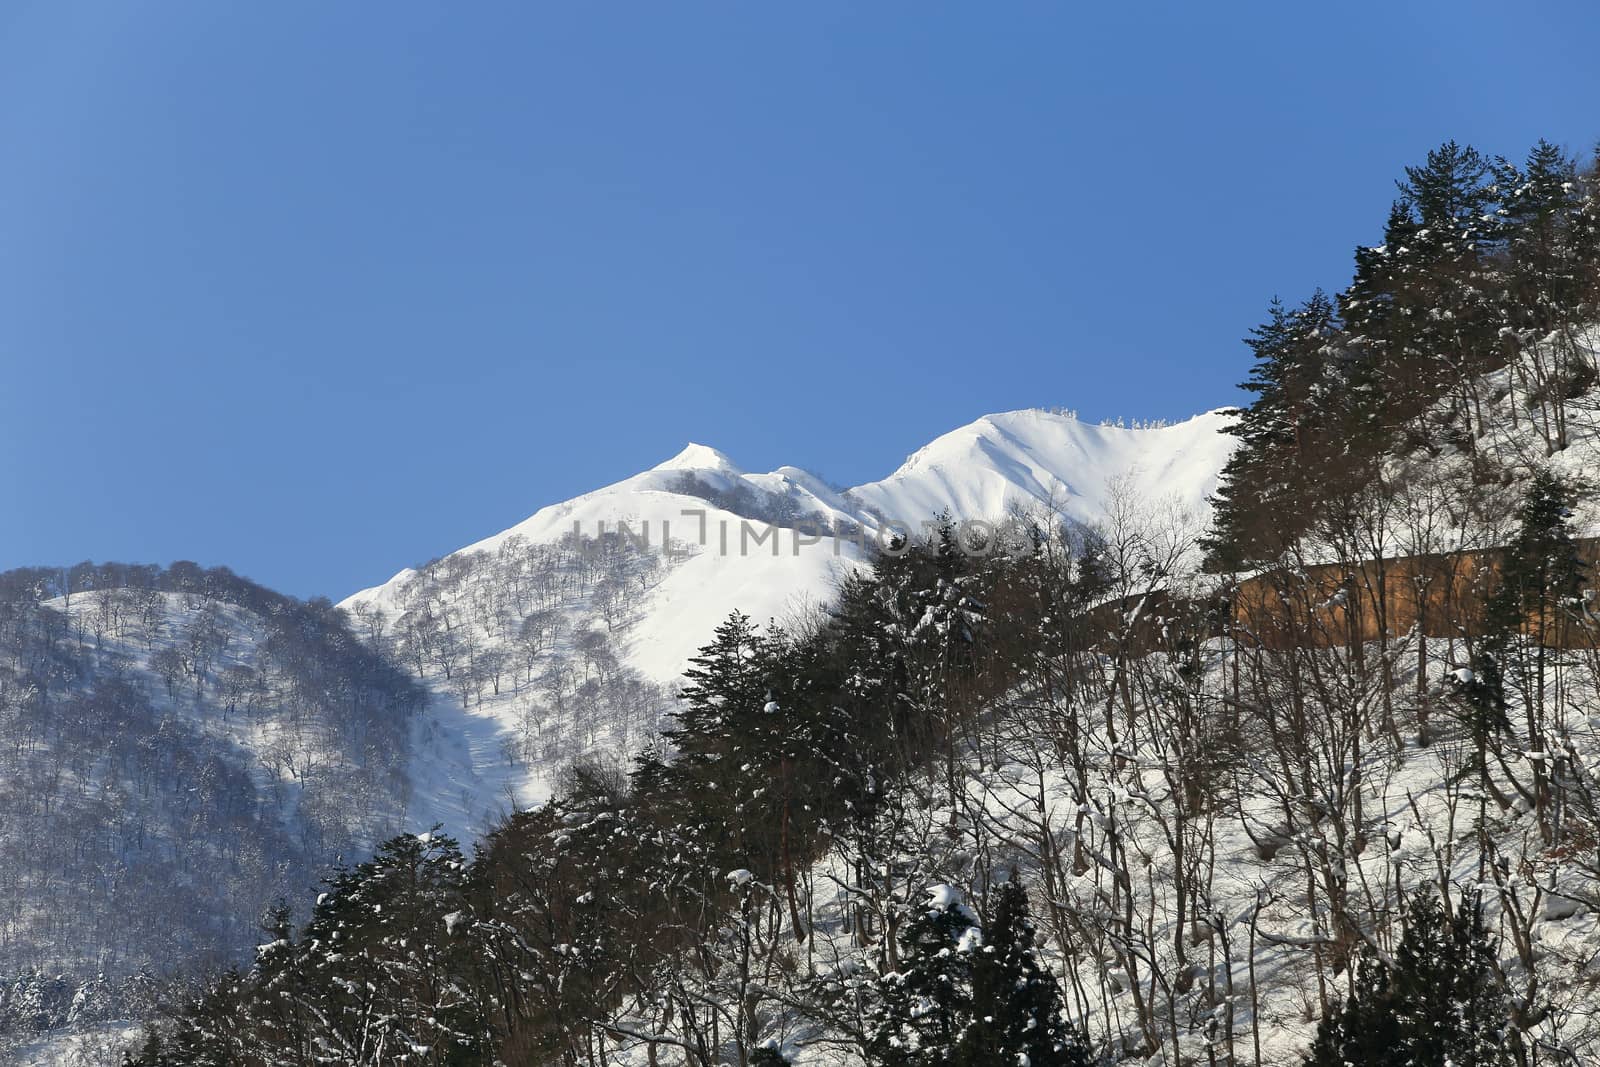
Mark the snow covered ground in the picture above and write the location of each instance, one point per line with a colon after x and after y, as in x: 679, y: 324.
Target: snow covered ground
x: 1038, y: 458
x: 98, y: 1046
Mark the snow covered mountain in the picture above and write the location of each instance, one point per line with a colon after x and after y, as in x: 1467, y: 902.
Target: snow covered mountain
x: 560, y: 637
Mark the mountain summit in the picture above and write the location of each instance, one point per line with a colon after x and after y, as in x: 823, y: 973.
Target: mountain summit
x: 695, y: 457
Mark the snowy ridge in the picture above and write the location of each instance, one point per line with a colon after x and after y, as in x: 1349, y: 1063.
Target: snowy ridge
x: 1068, y: 466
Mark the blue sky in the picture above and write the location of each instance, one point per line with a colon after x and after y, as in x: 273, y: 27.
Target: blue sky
x: 323, y: 290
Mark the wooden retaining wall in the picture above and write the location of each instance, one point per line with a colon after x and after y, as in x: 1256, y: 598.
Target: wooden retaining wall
x: 1337, y: 606
x: 1443, y: 595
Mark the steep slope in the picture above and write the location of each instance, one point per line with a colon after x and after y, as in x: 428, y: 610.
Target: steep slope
x: 561, y: 637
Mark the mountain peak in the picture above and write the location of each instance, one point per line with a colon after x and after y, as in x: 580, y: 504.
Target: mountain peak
x: 695, y: 457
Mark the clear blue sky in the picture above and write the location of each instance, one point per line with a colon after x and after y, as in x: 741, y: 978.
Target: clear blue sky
x: 320, y: 290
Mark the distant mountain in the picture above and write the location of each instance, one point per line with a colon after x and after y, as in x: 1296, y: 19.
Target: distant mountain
x: 179, y: 749
x: 624, y: 583
x: 1033, y: 458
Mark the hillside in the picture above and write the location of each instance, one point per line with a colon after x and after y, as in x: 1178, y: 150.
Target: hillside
x: 179, y: 749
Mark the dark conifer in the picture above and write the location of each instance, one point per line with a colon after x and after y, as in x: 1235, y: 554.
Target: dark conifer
x: 1442, y: 1005
x: 925, y: 1006
x: 1284, y: 435
x: 1016, y: 1002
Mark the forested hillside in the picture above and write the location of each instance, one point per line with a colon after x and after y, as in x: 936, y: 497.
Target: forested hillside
x: 180, y: 750
x: 1459, y: 359
x: 560, y: 640
x: 522, y: 648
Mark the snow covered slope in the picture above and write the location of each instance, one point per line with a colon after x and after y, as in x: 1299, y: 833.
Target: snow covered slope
x: 1072, y: 467
x: 622, y: 613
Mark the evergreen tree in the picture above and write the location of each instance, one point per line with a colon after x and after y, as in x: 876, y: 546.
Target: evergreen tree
x: 221, y: 1026
x: 722, y: 765
x: 925, y: 1007
x: 1284, y: 435
x: 1016, y: 1002
x: 384, y: 952
x: 1548, y: 239
x: 724, y: 681
x: 1552, y: 252
x: 1363, y: 1032
x: 1442, y: 1005
x: 152, y: 1053
x: 1425, y: 305
x: 1538, y: 599
x: 1368, y: 305
x: 1288, y: 375
x: 1453, y: 192
x: 1542, y: 573
x: 769, y: 1055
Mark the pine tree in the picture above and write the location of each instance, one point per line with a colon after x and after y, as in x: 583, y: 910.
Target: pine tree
x: 1424, y: 306
x: 1542, y: 574
x: 1288, y: 374
x: 152, y: 1053
x: 769, y: 1055
x: 223, y: 1025
x: 1368, y: 305
x: 1016, y: 1002
x: 722, y: 765
x: 1361, y: 1033
x: 725, y: 680
x: 1267, y: 486
x: 926, y: 1006
x: 1547, y: 239
x: 1452, y: 192
x: 1539, y: 596
x: 383, y: 951
x: 1442, y: 1005
x: 1552, y: 251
